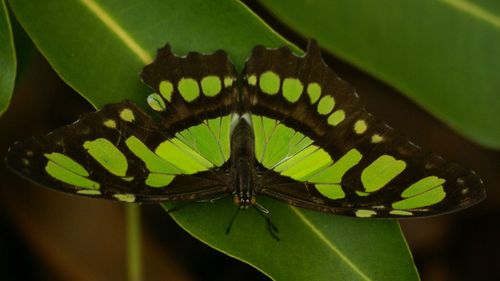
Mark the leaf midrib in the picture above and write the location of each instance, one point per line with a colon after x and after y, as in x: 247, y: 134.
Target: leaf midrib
x: 474, y: 11
x: 328, y: 243
x: 118, y: 30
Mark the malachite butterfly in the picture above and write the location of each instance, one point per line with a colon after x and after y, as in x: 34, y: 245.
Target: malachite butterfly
x: 287, y: 127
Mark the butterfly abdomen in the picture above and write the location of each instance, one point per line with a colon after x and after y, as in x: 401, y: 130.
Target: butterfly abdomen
x: 243, y: 161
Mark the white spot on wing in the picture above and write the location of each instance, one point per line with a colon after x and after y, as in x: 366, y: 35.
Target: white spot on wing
x: 125, y: 197
x: 360, y: 127
x: 401, y: 213
x: 363, y: 213
x: 376, y: 138
x: 413, y: 144
x: 110, y: 123
x: 127, y: 115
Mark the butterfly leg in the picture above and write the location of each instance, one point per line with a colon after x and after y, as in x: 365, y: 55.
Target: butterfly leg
x: 273, y: 230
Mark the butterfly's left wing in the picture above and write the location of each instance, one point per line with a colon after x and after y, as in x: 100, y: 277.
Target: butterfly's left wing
x: 120, y: 153
x: 319, y: 148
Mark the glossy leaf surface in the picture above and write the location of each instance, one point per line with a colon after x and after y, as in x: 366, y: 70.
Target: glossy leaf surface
x: 442, y: 54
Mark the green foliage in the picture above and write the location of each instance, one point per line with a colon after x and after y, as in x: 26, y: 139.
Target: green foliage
x: 99, y: 48
x: 313, y: 246
x: 442, y: 54
x: 7, y: 59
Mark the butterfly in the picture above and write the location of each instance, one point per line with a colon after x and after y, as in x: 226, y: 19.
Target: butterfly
x: 287, y: 127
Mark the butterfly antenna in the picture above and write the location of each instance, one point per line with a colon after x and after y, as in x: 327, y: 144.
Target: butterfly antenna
x: 228, y: 229
x: 273, y: 230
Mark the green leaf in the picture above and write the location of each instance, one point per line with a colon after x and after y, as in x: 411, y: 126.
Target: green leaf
x: 313, y: 246
x: 7, y: 59
x: 99, y: 48
x: 442, y: 54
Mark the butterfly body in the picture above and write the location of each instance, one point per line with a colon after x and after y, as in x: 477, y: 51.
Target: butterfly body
x: 287, y: 127
x: 243, y: 173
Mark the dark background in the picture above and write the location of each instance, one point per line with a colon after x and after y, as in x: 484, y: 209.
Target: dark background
x: 46, y: 235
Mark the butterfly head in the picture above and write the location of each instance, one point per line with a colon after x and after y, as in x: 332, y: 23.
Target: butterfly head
x: 244, y: 200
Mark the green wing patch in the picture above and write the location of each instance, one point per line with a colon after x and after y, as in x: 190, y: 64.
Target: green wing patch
x: 210, y: 139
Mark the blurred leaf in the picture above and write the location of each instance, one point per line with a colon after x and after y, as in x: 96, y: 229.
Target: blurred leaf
x: 7, y: 59
x: 99, y: 48
x: 442, y: 54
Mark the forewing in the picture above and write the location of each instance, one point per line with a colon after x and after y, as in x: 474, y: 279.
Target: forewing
x: 319, y: 147
x: 192, y: 88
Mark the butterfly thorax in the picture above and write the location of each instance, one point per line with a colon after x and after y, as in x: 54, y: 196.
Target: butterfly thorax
x: 243, y: 163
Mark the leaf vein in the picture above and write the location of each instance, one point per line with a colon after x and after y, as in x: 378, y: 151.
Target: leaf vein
x: 118, y: 30
x: 330, y: 245
x: 474, y: 10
